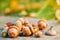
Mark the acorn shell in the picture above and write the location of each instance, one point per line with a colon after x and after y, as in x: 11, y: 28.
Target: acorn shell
x: 51, y: 33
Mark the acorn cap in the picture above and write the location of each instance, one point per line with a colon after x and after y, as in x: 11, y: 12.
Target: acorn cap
x: 4, y: 34
x: 42, y: 20
x: 8, y: 24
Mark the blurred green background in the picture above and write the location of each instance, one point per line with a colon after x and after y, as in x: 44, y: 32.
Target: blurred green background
x: 45, y: 9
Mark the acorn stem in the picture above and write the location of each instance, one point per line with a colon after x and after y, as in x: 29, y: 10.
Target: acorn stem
x: 51, y: 28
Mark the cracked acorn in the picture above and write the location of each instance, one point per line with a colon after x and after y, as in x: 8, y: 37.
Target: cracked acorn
x: 51, y: 32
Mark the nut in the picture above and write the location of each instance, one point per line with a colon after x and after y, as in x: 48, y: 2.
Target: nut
x: 24, y: 21
x: 38, y: 34
x: 4, y: 32
x: 36, y: 29
x: 19, y: 24
x: 8, y: 24
x: 51, y: 32
x: 42, y: 24
x: 27, y: 31
x: 13, y: 31
x: 30, y: 27
x: 33, y: 25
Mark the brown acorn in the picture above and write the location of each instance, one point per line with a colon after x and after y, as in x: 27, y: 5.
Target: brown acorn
x: 13, y: 31
x: 26, y: 31
x: 38, y: 34
x: 24, y: 21
x: 42, y: 24
x: 19, y: 25
x: 35, y: 29
x: 8, y: 24
x: 30, y: 27
x: 33, y: 24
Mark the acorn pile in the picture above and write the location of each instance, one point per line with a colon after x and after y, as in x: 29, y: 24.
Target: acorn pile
x: 23, y: 28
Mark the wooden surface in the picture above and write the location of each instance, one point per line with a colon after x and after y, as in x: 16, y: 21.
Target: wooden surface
x: 3, y: 20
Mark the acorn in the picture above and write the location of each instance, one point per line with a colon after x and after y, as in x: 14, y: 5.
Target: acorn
x: 38, y: 34
x: 13, y: 31
x: 30, y: 27
x: 21, y: 33
x: 21, y: 22
x: 4, y: 32
x: 33, y: 24
x: 51, y: 32
x: 24, y: 21
x: 42, y: 24
x: 8, y: 24
x: 35, y: 29
x: 26, y: 31
x: 19, y: 25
